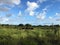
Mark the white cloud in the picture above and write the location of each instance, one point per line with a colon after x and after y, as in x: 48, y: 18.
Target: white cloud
x: 3, y: 19
x: 41, y: 1
x: 58, y: 19
x: 50, y: 18
x: 32, y: 6
x: 8, y: 15
x: 10, y: 2
x: 32, y: 13
x: 53, y: 18
x: 19, y: 13
x: 41, y: 15
x: 4, y: 9
x: 45, y: 9
x: 57, y: 14
x: 17, y: 2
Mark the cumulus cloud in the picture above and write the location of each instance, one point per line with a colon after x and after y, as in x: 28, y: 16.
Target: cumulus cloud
x: 31, y: 7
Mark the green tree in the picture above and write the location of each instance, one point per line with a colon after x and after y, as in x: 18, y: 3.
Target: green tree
x: 28, y: 25
x: 20, y: 25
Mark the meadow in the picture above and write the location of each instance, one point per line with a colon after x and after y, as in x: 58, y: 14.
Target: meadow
x: 14, y: 35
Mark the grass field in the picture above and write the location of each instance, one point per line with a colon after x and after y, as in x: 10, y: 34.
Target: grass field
x: 36, y: 36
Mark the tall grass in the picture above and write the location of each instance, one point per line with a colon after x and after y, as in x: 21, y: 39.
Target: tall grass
x: 10, y: 36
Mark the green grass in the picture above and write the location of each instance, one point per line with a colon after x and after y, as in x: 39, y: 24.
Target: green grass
x: 10, y: 36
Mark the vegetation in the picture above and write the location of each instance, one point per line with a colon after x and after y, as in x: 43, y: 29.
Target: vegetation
x: 25, y: 35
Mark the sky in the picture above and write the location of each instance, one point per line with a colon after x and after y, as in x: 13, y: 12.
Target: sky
x: 35, y: 12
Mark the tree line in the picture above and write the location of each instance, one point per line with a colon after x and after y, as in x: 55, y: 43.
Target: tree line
x: 30, y: 25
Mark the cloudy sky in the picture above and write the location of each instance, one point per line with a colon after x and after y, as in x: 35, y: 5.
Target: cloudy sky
x: 30, y: 11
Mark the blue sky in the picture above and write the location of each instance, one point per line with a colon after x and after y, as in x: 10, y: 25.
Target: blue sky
x: 35, y: 12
